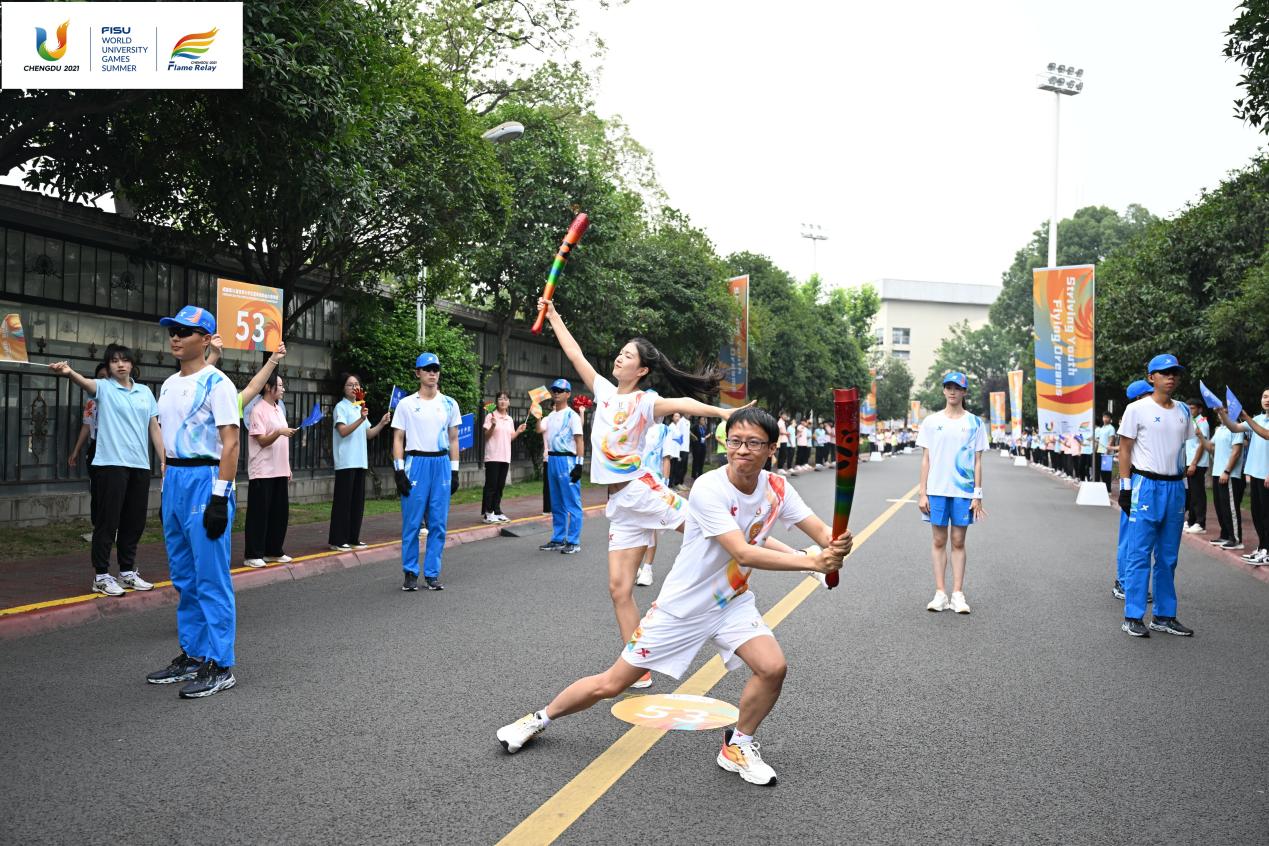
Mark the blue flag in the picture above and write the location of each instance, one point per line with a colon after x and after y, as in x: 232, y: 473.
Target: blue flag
x: 467, y: 431
x: 313, y: 417
x: 398, y: 394
x: 1232, y: 406
x: 1208, y: 397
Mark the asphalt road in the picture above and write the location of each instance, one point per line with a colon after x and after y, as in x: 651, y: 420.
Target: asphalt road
x: 367, y: 715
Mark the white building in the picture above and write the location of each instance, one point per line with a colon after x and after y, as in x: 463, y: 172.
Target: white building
x: 915, y: 316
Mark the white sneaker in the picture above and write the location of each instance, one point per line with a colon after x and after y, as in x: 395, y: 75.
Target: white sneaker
x: 514, y: 736
x: 361, y: 545
x: 1253, y: 556
x: 644, y: 577
x: 107, y: 586
x: 278, y: 559
x: 132, y: 579
x: 255, y: 563
x: 501, y: 518
x: 87, y: 537
x: 340, y: 547
x: 1196, y: 529
x: 488, y: 518
x: 744, y: 758
x: 958, y: 603
x: 939, y: 602
x: 644, y: 682
x: 423, y: 532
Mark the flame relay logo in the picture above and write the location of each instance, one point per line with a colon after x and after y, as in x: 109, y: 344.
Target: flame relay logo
x: 188, y: 52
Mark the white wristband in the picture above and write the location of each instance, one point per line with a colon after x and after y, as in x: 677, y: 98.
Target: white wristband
x: 978, y: 493
x: 398, y: 464
x: 220, y: 487
x: 1125, y: 483
x: 453, y: 465
x: 579, y: 461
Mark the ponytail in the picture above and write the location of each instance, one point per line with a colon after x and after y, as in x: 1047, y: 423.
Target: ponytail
x: 661, y: 371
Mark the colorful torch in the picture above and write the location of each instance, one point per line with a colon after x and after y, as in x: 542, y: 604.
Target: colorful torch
x: 570, y: 241
x: 846, y: 424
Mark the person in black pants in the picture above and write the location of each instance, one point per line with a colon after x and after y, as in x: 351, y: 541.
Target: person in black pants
x: 88, y: 435
x: 700, y: 436
x: 500, y: 430
x: 350, y: 435
x: 126, y: 416
x: 269, y: 471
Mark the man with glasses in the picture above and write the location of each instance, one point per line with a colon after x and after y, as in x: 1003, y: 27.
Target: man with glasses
x: 565, y: 454
x: 706, y: 596
x: 425, y: 466
x: 198, y: 416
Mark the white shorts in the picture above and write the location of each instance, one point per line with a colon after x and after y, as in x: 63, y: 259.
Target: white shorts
x: 642, y: 507
x: 667, y: 644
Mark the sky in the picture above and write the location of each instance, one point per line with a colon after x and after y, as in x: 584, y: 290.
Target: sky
x: 913, y: 133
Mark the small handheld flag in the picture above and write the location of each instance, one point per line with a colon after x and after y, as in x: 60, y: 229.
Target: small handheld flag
x: 1233, y: 407
x: 13, y: 341
x: 398, y: 394
x: 1208, y: 397
x: 539, y: 395
x: 312, y: 419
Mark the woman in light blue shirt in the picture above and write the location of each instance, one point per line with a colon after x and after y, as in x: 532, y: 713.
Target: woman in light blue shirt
x: 1228, y: 485
x: 1256, y: 471
x: 126, y: 416
x: 351, y: 432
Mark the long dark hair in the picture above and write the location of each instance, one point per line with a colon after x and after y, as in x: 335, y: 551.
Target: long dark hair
x: 661, y: 370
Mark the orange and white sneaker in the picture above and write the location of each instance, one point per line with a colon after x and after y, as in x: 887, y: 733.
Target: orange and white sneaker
x: 744, y: 758
x: 644, y: 682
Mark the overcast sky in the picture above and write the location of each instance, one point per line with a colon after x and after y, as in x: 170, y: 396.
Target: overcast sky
x: 913, y: 132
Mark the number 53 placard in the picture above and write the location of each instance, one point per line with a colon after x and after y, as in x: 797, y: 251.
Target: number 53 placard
x: 248, y: 316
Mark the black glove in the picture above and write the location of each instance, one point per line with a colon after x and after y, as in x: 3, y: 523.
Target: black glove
x: 216, y: 516
x: 453, y: 481
x: 403, y: 482
x: 1125, y: 501
x: 575, y: 475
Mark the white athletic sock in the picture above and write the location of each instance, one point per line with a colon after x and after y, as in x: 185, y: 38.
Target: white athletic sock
x: 542, y: 717
x: 738, y: 737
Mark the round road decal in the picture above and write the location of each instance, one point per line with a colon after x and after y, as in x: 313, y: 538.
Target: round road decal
x: 676, y: 711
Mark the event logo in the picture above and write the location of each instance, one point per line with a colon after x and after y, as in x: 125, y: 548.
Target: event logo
x: 192, y: 47
x: 41, y: 43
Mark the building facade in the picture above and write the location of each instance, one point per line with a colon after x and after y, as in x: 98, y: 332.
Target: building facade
x: 915, y: 317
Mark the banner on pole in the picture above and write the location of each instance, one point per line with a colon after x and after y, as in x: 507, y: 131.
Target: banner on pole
x: 868, y: 408
x: 12, y: 339
x: 914, y: 413
x: 1062, y: 299
x: 1015, y: 403
x: 733, y: 390
x: 249, y: 317
x: 997, y: 416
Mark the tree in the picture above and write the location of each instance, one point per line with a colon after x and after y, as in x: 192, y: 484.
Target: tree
x: 342, y: 153
x: 894, y: 389
x: 37, y: 124
x: 1248, y: 44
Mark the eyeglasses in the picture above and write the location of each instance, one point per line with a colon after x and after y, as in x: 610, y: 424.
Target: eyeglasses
x: 753, y: 444
x: 183, y: 331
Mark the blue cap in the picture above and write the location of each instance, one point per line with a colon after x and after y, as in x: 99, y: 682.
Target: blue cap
x: 1138, y: 389
x: 956, y: 378
x: 561, y: 385
x: 426, y: 360
x: 1166, y: 361
x: 194, y: 317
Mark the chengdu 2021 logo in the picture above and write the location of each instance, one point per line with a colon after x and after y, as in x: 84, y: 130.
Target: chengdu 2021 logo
x: 188, y: 54
x: 41, y: 43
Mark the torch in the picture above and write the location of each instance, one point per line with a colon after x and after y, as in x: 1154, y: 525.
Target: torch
x: 573, y: 235
x: 846, y: 425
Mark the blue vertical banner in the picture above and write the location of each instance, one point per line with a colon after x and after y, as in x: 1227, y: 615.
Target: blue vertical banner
x: 467, y: 431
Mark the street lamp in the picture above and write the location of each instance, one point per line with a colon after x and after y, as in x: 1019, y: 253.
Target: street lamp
x: 814, y: 233
x: 507, y: 131
x: 1062, y: 80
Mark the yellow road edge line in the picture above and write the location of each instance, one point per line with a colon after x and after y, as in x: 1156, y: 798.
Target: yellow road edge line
x: 553, y: 817
x: 91, y: 597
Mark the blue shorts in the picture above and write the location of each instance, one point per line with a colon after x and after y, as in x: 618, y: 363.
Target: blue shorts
x: 949, y: 509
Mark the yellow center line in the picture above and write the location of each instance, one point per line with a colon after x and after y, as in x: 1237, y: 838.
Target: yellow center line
x: 556, y: 814
x: 92, y: 597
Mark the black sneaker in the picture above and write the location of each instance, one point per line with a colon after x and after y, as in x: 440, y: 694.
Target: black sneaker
x: 434, y: 584
x: 1136, y: 628
x: 551, y: 546
x: 411, y: 582
x: 1117, y: 590
x: 182, y: 668
x: 571, y: 549
x: 211, y: 679
x: 1219, y: 541
x: 1171, y: 626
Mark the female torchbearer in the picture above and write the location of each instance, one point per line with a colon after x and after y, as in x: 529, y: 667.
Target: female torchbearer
x: 639, y: 502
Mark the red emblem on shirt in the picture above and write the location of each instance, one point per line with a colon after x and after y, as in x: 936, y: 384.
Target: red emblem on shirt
x: 643, y: 653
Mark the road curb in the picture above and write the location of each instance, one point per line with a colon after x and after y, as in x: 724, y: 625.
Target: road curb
x: 77, y: 611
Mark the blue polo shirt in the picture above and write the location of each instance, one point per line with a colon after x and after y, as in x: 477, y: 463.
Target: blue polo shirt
x: 123, y: 424
x: 350, y: 451
x: 1223, y: 442
x: 1257, y: 463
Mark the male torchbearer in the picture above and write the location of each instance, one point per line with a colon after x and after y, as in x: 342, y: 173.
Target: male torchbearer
x: 425, y: 466
x: 562, y: 432
x: 198, y: 416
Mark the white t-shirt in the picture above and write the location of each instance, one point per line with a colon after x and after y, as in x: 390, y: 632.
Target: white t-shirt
x: 685, y: 436
x: 190, y: 410
x: 704, y: 576
x: 616, y: 435
x: 561, y: 426
x: 426, y: 422
x: 1159, y: 434
x: 952, y: 444
x: 654, y: 445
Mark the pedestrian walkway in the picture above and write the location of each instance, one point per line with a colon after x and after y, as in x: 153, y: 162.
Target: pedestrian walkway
x: 38, y: 584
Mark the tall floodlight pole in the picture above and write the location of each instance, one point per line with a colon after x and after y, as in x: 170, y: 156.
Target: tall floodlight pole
x: 814, y: 233
x: 1062, y: 80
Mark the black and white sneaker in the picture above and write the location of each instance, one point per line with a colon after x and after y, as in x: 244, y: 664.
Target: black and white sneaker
x: 1233, y: 545
x: 434, y: 584
x: 1117, y: 590
x: 182, y: 668
x: 571, y: 549
x: 1218, y: 541
x: 552, y: 546
x: 1171, y: 626
x: 411, y: 582
x: 211, y: 679
x: 1136, y: 628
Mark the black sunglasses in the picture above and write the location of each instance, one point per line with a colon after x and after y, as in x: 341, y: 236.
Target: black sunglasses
x: 431, y: 368
x: 559, y: 390
x: 183, y: 331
